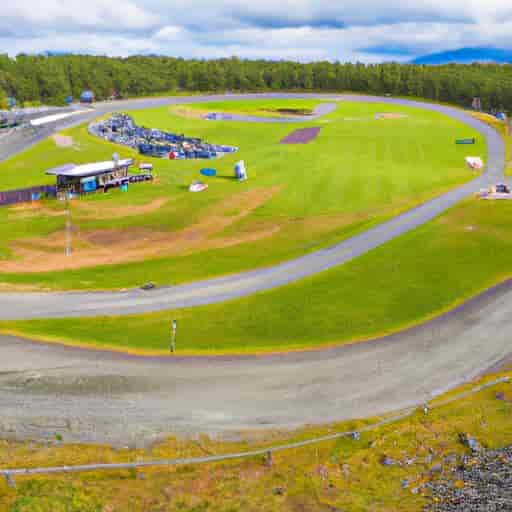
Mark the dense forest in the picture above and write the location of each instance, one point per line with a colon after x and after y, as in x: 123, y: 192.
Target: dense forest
x: 50, y: 79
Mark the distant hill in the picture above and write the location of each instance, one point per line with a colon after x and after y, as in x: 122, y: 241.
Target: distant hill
x: 54, y: 53
x: 467, y: 56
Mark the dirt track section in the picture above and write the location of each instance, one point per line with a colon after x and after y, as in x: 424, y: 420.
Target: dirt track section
x: 93, y: 396
x: 115, y: 246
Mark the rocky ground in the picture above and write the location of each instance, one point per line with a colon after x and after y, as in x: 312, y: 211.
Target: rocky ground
x: 482, y: 482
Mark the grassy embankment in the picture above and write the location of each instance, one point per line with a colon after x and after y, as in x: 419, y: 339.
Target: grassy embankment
x: 359, y: 171
x: 401, y: 283
x: 343, y: 475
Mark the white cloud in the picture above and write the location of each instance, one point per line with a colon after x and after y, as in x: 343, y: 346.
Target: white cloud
x: 294, y: 29
x: 23, y: 16
x: 171, y: 33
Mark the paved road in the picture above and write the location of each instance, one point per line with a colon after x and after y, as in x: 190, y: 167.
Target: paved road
x: 92, y: 396
x: 45, y: 305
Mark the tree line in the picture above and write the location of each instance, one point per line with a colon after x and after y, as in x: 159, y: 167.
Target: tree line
x: 51, y: 79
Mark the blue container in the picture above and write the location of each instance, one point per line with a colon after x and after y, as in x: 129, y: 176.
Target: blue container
x: 87, y: 97
x: 89, y: 184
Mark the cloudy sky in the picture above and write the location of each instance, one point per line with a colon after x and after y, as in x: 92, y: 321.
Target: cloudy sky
x: 305, y: 30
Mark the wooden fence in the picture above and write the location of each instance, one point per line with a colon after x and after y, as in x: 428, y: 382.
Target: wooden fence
x: 26, y: 195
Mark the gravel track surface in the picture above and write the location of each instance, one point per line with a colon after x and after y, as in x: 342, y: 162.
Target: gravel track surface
x: 96, y: 396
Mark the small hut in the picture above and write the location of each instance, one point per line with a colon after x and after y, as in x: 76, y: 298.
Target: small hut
x: 82, y: 179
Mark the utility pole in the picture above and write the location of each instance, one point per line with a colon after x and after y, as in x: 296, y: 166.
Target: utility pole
x: 174, y: 327
x: 115, y: 159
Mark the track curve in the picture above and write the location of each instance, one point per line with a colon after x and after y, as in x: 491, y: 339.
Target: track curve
x: 101, y: 397
x: 94, y: 396
x: 65, y: 304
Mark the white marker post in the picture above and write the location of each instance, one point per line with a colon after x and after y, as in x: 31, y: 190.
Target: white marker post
x: 174, y: 327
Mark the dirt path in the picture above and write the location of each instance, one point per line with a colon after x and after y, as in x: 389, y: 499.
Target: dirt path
x: 114, y: 246
x: 98, y: 210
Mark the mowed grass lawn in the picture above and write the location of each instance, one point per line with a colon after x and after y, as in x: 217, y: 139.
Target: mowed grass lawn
x: 403, y: 282
x: 358, y: 172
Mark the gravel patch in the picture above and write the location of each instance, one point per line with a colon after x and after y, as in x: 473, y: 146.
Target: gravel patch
x: 481, y: 483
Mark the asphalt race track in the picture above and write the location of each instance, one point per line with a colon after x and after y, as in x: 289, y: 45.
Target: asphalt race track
x: 96, y: 396
x: 46, y: 305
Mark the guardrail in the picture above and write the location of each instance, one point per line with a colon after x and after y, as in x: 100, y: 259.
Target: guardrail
x: 10, y: 474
